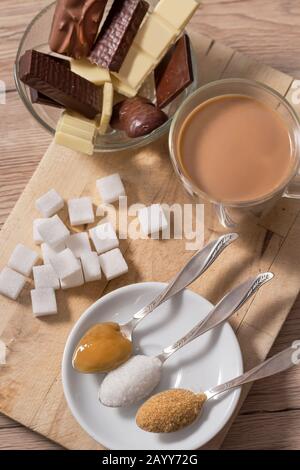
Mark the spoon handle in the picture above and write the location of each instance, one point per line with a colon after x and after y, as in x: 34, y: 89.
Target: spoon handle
x: 230, y: 304
x: 282, y: 361
x: 195, y: 267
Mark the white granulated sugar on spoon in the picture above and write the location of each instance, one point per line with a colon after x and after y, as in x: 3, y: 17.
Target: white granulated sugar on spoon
x: 130, y: 382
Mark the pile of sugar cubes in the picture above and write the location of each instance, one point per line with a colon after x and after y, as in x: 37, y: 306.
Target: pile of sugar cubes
x: 68, y: 259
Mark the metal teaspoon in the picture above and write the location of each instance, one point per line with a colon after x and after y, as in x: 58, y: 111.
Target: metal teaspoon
x: 138, y: 377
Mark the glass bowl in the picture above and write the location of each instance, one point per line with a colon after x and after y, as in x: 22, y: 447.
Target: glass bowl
x: 36, y: 37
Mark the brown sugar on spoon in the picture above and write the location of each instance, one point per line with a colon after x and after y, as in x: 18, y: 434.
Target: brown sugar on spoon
x: 170, y: 411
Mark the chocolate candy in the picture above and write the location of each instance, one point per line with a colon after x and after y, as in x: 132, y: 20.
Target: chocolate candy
x: 115, y: 122
x: 55, y: 80
x: 117, y: 33
x: 75, y: 26
x: 38, y: 98
x: 175, y: 72
x: 137, y: 117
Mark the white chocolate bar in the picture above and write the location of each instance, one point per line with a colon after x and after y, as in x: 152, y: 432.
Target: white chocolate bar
x: 76, y: 133
x: 136, y: 67
x: 177, y: 12
x: 155, y: 27
x: 90, y: 72
x: 107, y: 108
x: 76, y: 120
x: 72, y: 130
x: 158, y: 32
x: 122, y: 88
x: 74, y: 143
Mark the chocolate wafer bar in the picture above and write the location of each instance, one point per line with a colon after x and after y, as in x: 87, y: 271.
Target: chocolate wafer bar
x: 174, y: 73
x: 117, y: 33
x: 75, y: 26
x: 53, y: 79
x: 38, y: 98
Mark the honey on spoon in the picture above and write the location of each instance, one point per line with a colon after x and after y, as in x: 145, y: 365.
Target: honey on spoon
x: 102, y: 348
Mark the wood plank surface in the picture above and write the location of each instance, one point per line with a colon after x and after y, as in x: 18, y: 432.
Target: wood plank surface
x: 234, y: 22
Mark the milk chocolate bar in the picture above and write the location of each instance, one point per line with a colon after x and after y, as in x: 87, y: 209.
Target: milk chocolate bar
x: 38, y: 98
x: 118, y: 32
x: 75, y: 26
x: 175, y: 72
x: 53, y: 79
x: 157, y: 34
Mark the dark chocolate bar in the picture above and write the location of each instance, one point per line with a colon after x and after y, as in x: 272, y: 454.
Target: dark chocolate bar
x: 174, y: 73
x: 75, y: 26
x: 117, y: 33
x: 38, y: 98
x: 53, y: 79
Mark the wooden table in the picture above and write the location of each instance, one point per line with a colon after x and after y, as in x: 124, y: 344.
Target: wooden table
x: 266, y: 30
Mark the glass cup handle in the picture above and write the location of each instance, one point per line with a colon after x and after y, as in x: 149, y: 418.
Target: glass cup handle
x: 293, y: 189
x: 224, y: 217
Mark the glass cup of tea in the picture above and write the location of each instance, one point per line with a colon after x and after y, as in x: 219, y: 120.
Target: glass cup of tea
x: 235, y: 145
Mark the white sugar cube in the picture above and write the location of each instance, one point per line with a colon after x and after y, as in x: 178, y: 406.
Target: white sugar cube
x: 43, y: 302
x: 81, y: 211
x: 50, y: 203
x: 11, y: 283
x: 64, y: 263
x: 104, y: 238
x: 22, y: 259
x: 91, y: 267
x: 53, y: 231
x: 79, y: 244
x: 75, y: 280
x: 48, y: 251
x: 110, y: 188
x: 45, y: 276
x: 113, y: 264
x: 35, y: 231
x: 152, y: 220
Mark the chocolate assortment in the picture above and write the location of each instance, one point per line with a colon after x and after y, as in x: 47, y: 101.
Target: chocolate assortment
x: 157, y: 34
x: 53, y: 79
x: 75, y: 26
x: 137, y: 117
x: 117, y: 33
x: 134, y: 47
x: 175, y: 72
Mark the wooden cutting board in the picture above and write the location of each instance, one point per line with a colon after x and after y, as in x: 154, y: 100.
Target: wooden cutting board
x: 30, y: 383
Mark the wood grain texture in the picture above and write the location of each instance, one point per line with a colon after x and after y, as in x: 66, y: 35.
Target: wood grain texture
x: 271, y: 41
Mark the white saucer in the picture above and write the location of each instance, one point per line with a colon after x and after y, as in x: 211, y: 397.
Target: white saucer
x: 208, y: 361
